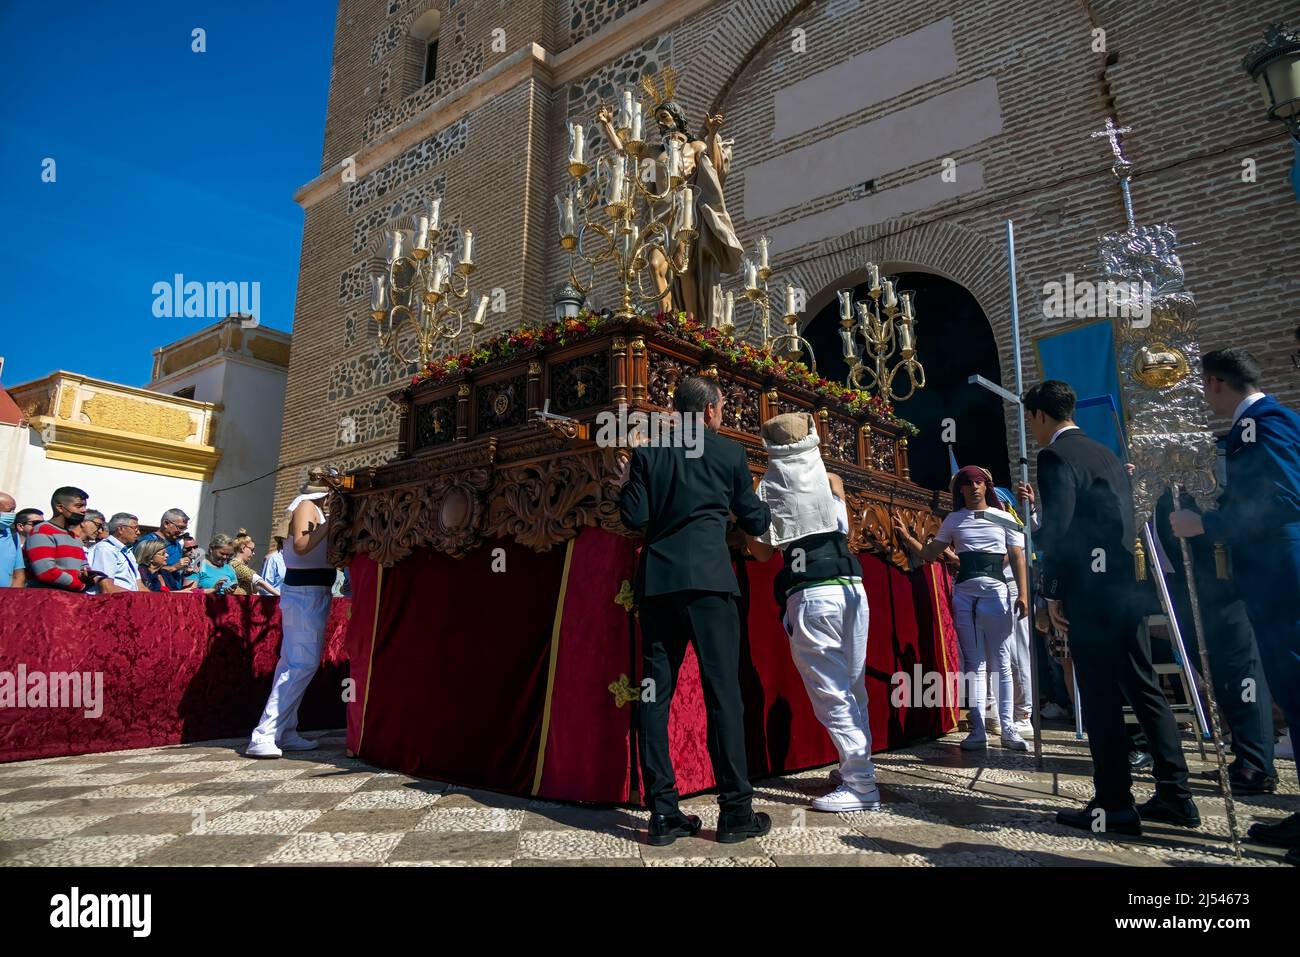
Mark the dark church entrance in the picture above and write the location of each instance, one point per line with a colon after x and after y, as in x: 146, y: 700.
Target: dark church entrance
x: 954, y: 342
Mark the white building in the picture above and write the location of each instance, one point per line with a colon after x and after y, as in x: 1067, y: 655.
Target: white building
x: 203, y: 436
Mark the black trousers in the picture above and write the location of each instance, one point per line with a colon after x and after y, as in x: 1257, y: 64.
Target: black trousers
x: 1113, y: 664
x: 710, y: 622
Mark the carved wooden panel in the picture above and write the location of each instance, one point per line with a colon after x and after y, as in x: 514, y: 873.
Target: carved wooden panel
x: 579, y: 383
x: 741, y: 410
x: 882, y: 452
x: 542, y: 503
x: 665, y: 371
x: 500, y: 404
x: 842, y: 439
x: 435, y: 422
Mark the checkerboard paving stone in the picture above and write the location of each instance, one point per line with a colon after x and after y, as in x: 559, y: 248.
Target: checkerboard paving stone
x: 573, y: 845
x: 46, y: 827
x: 471, y: 819
x: 331, y: 847
x: 325, y: 784
x: 261, y: 822
x: 206, y: 804
x: 396, y: 798
x: 102, y: 851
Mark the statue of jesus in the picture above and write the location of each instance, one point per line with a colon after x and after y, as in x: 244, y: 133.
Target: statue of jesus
x: 705, y: 163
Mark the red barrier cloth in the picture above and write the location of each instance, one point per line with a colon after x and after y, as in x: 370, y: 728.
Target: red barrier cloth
x: 458, y: 673
x: 364, y: 575
x: 172, y: 667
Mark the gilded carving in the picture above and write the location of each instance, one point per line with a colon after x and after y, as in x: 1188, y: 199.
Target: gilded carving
x: 136, y: 415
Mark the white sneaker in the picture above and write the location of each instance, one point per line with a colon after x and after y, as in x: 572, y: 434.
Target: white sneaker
x: 297, y: 742
x: 1054, y: 712
x: 974, y: 743
x: 1013, y: 741
x: 262, y: 749
x: 1284, y: 747
x: 1024, y: 728
x: 844, y: 798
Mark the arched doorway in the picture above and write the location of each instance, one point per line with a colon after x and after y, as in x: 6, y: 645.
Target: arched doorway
x: 954, y: 342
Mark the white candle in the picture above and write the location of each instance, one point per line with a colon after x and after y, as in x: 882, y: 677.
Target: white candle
x: 762, y: 251
x: 434, y: 208
x: 906, y: 342
x: 422, y: 233
x: 716, y: 304
x: 625, y: 114
x: 636, y: 131
x: 397, y: 246
x: 846, y: 305
x: 729, y: 311
x: 850, y: 347
x: 889, y: 299
x: 685, y: 211
x: 906, y: 299
x: 873, y: 275
x: 674, y: 159
x: 751, y: 276
x: 480, y: 312
x: 467, y: 250
x: 378, y: 293
x: 438, y: 277
x: 577, y: 146
x: 789, y: 299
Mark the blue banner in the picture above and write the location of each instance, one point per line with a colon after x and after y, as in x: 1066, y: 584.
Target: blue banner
x: 1085, y: 358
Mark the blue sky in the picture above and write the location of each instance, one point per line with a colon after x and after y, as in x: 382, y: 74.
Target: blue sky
x: 167, y: 161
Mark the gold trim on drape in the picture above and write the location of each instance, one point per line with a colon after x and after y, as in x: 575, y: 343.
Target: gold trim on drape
x: 370, y: 668
x: 550, y: 672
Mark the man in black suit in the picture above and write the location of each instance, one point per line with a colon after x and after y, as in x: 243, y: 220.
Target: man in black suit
x: 686, y: 589
x: 1086, y: 537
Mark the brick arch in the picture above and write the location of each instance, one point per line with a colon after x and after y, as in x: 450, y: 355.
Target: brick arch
x: 739, y: 36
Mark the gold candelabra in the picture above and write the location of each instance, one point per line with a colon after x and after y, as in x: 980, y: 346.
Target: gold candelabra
x: 885, y: 322
x: 644, y: 227
x: 423, y: 289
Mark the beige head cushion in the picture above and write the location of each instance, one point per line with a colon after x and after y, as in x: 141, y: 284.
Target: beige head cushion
x: 787, y: 428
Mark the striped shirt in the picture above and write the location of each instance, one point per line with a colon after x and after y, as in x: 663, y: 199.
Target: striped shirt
x: 54, y: 558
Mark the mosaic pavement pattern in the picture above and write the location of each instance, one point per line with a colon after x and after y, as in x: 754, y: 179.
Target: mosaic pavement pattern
x: 205, y: 804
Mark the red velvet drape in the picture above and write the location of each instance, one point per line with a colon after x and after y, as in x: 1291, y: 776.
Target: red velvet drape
x: 184, y: 667
x: 462, y: 663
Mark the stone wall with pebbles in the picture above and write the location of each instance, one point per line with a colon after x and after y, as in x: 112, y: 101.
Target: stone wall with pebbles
x: 420, y: 158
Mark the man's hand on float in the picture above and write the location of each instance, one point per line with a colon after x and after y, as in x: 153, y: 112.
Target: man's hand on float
x: 1186, y: 523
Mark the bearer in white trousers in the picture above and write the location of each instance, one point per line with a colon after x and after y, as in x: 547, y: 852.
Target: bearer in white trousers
x: 304, y: 609
x: 820, y: 590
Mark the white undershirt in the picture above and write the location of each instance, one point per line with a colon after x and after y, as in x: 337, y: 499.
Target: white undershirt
x: 967, y: 533
x: 1245, y: 404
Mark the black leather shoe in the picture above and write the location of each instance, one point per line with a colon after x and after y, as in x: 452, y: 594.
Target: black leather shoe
x: 1179, y: 813
x: 735, y: 831
x: 666, y: 828
x: 1250, y: 781
x: 1139, y: 761
x: 1093, y: 818
x: 1283, y: 833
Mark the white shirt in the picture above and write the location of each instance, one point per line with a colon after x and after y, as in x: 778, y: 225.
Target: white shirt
x: 1245, y: 404
x: 1064, y: 428
x: 966, y: 532
x: 108, y: 557
x: 273, y: 569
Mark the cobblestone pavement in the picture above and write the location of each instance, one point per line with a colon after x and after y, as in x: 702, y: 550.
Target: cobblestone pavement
x: 205, y: 804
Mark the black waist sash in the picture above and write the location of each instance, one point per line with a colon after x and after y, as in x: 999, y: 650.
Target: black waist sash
x: 309, y: 576
x: 980, y: 565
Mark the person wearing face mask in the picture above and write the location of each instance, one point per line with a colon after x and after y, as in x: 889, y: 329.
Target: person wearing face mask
x: 54, y: 553
x: 13, y: 571
x: 216, y: 575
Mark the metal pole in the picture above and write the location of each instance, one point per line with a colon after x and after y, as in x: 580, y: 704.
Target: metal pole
x: 1224, y: 785
x: 1029, y: 520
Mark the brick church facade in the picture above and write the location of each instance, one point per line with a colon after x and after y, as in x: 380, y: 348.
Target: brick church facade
x: 900, y: 132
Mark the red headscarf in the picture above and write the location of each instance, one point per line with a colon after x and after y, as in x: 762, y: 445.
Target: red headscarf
x: 968, y: 475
